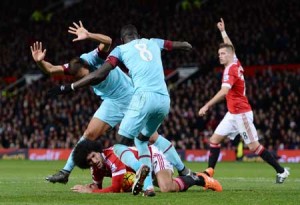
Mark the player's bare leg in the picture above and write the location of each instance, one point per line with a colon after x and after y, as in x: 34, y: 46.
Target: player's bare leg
x: 165, y: 181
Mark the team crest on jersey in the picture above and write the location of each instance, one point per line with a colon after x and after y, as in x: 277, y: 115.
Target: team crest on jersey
x: 225, y: 77
x: 66, y: 65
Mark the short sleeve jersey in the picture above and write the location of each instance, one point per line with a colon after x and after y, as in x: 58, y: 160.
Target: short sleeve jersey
x: 112, y: 162
x: 117, y: 84
x: 142, y: 57
x: 233, y: 78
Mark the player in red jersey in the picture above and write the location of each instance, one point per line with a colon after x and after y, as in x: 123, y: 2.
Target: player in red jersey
x: 104, y: 163
x: 239, y: 118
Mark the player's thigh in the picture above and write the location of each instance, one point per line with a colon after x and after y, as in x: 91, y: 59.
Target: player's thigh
x: 227, y: 127
x: 111, y: 112
x: 165, y: 180
x: 159, y: 107
x: 135, y: 117
x: 246, y: 127
x: 96, y: 128
x: 107, y: 116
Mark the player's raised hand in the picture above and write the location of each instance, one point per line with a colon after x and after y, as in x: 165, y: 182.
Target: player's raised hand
x: 38, y: 54
x: 59, y: 90
x: 78, y: 30
x: 203, y: 110
x: 221, y: 25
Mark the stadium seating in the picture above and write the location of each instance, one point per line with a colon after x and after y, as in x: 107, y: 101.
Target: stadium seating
x: 29, y: 120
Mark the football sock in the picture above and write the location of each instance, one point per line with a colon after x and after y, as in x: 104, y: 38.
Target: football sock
x: 145, y: 158
x: 166, y: 147
x: 184, y: 172
x: 184, y: 182
x: 267, y: 157
x: 214, y: 152
x: 126, y: 156
x: 69, y: 166
x: 181, y: 185
x: 200, y: 181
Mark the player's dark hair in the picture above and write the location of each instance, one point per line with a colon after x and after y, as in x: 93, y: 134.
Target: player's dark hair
x: 82, y: 150
x: 128, y: 30
x: 227, y: 46
x: 75, y: 64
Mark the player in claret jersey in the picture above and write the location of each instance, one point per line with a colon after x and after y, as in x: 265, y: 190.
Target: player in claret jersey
x: 239, y: 118
x: 150, y: 102
x: 115, y: 90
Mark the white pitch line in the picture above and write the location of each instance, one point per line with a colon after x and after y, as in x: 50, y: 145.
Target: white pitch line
x: 256, y: 179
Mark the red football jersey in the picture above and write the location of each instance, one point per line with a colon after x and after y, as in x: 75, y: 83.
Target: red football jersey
x: 233, y: 78
x: 112, y: 167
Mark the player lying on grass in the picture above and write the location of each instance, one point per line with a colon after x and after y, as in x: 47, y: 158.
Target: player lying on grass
x: 115, y: 91
x: 104, y: 163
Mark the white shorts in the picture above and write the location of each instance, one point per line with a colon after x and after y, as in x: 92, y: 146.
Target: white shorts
x: 234, y: 124
x: 159, y: 161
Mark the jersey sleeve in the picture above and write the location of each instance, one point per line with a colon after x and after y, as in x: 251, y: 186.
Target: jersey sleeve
x: 93, y: 57
x: 230, y: 77
x: 97, y: 176
x: 163, y: 44
x: 114, y: 58
x: 115, y: 187
x: 66, y: 68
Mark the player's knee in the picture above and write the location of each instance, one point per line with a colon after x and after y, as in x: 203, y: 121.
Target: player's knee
x: 253, y: 146
x: 126, y: 141
x: 167, y: 187
x: 215, y: 139
x: 91, y: 134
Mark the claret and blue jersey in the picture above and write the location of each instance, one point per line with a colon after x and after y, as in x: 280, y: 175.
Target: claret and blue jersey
x: 142, y: 57
x: 117, y: 84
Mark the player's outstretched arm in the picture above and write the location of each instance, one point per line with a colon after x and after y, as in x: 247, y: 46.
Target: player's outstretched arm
x: 218, y: 97
x: 181, y: 45
x: 38, y: 55
x: 95, y: 77
x: 91, y: 79
x: 221, y: 27
x: 82, y: 34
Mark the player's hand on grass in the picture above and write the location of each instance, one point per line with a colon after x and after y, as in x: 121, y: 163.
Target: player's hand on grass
x: 38, y: 54
x: 92, y: 186
x: 221, y: 25
x: 82, y: 189
x: 78, y: 30
x: 59, y: 90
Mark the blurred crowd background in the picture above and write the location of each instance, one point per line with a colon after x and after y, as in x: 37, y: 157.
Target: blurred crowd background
x: 264, y: 32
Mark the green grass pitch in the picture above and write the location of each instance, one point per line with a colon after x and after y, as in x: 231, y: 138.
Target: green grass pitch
x: 23, y: 182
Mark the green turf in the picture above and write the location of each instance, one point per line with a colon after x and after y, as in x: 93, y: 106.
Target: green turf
x: 22, y: 182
